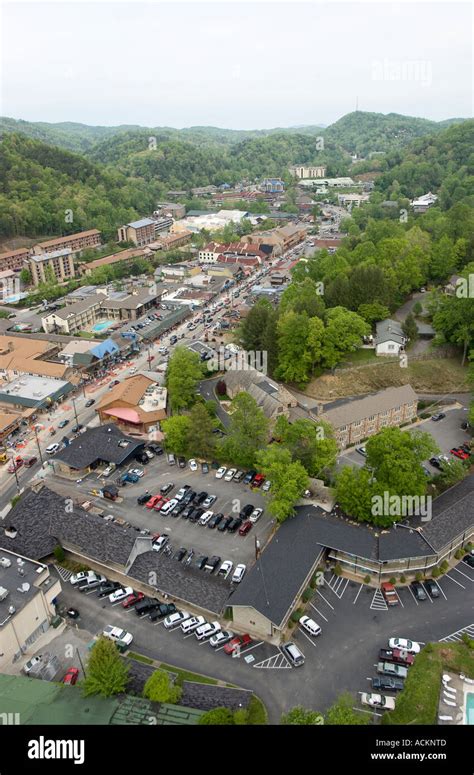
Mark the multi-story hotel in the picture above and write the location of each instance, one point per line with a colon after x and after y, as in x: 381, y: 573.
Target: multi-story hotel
x: 60, y: 262
x: 76, y: 243
x: 301, y: 171
x: 140, y: 232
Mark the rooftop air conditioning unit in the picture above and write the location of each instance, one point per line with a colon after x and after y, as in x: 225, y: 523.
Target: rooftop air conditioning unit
x: 5, y: 562
x: 3, y: 593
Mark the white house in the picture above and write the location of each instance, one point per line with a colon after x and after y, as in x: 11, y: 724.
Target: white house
x: 389, y: 339
x: 422, y: 204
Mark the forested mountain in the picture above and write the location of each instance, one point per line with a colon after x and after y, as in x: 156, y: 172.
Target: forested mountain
x: 443, y: 163
x: 365, y: 133
x: 40, y: 183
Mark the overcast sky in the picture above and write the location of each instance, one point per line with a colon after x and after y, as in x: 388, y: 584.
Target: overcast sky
x: 240, y: 65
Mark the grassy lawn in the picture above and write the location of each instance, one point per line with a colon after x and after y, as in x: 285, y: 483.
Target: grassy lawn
x: 418, y: 702
x: 437, y: 375
x: 139, y: 658
x: 359, y: 357
x: 186, y: 675
x: 257, y: 712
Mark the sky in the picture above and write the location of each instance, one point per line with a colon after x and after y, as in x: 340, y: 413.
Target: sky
x: 240, y: 65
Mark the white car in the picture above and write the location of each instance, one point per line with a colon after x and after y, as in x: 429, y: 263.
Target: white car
x: 239, y: 573
x: 266, y: 485
x: 220, y: 472
x: 160, y: 542
x: 206, y: 630
x: 225, y: 568
x: 310, y: 625
x: 230, y: 474
x: 31, y: 664
x: 404, y: 645
x: 193, y: 465
x: 174, y: 619
x: 83, y: 577
x: 378, y: 701
x: 115, y: 634
x: 255, y: 515
x: 192, y: 624
x: 137, y: 471
x: 209, y: 501
x: 168, y: 506
x: 221, y: 637
x: 204, y: 518
x: 150, y: 455
x: 361, y: 451
x: 180, y: 494
x: 120, y: 594
x: 52, y: 448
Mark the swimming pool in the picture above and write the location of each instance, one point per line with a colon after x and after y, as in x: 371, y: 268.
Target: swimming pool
x: 470, y: 709
x: 102, y: 325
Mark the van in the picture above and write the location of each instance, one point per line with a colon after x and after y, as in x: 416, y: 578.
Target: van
x: 293, y: 653
x: 171, y: 459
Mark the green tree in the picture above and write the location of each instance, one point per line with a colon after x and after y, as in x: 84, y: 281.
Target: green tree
x: 453, y: 472
x: 343, y: 334
x: 107, y: 673
x: 373, y: 312
x: 182, y: 378
x: 289, y: 480
x: 217, y: 717
x: 302, y: 717
x: 177, y: 433
x: 299, y: 346
x: 160, y: 688
x: 409, y: 327
x: 354, y: 492
x: 303, y: 296
x: 247, y: 431
x: 313, y: 444
x: 341, y: 713
x: 201, y: 441
x: 25, y: 277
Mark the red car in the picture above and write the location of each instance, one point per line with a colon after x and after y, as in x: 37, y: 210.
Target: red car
x: 153, y: 500
x: 15, y: 465
x: 133, y: 599
x: 237, y: 643
x: 245, y: 528
x: 398, y: 656
x: 71, y: 676
x: 258, y: 480
x: 459, y: 453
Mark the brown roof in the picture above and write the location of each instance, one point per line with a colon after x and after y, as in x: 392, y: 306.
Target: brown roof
x: 131, y: 390
x: 362, y: 408
x: 124, y: 255
x: 25, y: 355
x: 11, y: 253
x: 68, y: 238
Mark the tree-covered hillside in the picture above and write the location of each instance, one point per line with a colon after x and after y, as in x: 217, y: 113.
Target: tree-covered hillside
x: 40, y: 184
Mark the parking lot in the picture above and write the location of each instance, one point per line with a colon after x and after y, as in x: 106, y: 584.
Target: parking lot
x: 231, y: 498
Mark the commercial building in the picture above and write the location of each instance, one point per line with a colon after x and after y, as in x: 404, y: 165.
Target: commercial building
x: 27, y: 592
x: 209, y: 221
x: 277, y: 241
x: 140, y: 232
x: 272, y: 186
x: 423, y: 203
x: 138, y: 403
x: 123, y: 259
x: 76, y: 243
x: 24, y: 355
x: 98, y: 310
x: 170, y: 210
x: 274, y: 399
x: 14, y: 259
x: 352, y: 200
x: 343, y: 182
x: 38, y: 393
x: 177, y: 272
x: 360, y: 418
x: 302, y: 171
x: 96, y: 447
x: 59, y: 262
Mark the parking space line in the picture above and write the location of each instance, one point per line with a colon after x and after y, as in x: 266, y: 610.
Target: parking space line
x: 307, y: 637
x: 413, y: 596
x: 251, y: 648
x: 447, y: 576
x: 370, y: 712
x: 463, y: 574
x: 319, y: 612
x: 427, y: 594
x: 326, y: 601
x: 455, y: 636
x: 378, y: 602
x: 441, y: 589
x: 399, y: 598
x: 358, y: 593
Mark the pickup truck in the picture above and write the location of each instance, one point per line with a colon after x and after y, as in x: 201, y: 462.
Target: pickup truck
x: 388, y: 591
x: 396, y: 655
x: 388, y: 668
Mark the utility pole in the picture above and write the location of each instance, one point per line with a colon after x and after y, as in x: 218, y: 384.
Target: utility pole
x: 38, y: 444
x: 80, y: 660
x: 75, y: 411
x: 16, y: 473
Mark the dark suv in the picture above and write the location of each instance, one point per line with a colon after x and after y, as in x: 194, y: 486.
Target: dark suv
x: 224, y: 524
x: 249, y: 477
x: 234, y: 524
x: 165, y: 609
x: 418, y: 590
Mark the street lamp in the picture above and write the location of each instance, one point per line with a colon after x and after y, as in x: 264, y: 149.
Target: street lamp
x: 16, y: 472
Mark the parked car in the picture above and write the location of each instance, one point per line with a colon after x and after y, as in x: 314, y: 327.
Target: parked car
x: 132, y: 599
x: 245, y: 528
x: 63, y: 423
x: 246, y: 511
x: 361, y: 451
x: 234, y: 524
x: 438, y: 416
x: 224, y: 524
x: 418, y: 590
x: 82, y: 576
x: 248, y: 478
x: 397, y: 656
x: 378, y: 701
x: 293, y: 653
x: 389, y: 668
x: 239, y: 573
x: 237, y: 643
x: 191, y: 624
x: 146, y: 605
x: 266, y: 485
x: 168, y: 506
x: 52, y: 448
x: 120, y: 594
x: 389, y: 593
x: 200, y: 497
x: 71, y: 677
x: 209, y: 501
x: 255, y: 515
x: 174, y: 619
x: 201, y: 561
x: 206, y: 630
x: 458, y: 452
x: 129, y: 477
x: 310, y: 625
x: 162, y: 610
x: 153, y: 501
x: 230, y: 474
x: 91, y: 583
x: 212, y: 563
x: 31, y: 664
x: 171, y: 459
x: 142, y: 457
x: 385, y: 683
x: 258, y: 480
x: 142, y: 499
x: 436, y: 463
x: 149, y: 453
x: 77, y: 428
x: 137, y: 472
x: 166, y: 488
x: 193, y: 465
x: 106, y: 587
x: 181, y: 462
x: 196, y: 514
x: 225, y: 568
x: 469, y: 560
x: 432, y: 588
x: 238, y: 476
x: 221, y: 637
x: 215, y: 520
x: 117, y: 634
x: 220, y: 472
x: 404, y: 643
x: 205, y: 468
x: 180, y: 554
x: 158, y: 544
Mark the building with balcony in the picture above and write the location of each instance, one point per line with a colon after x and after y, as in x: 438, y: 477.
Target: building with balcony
x: 76, y: 243
x: 303, y: 171
x: 140, y: 232
x: 14, y: 259
x: 59, y: 263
